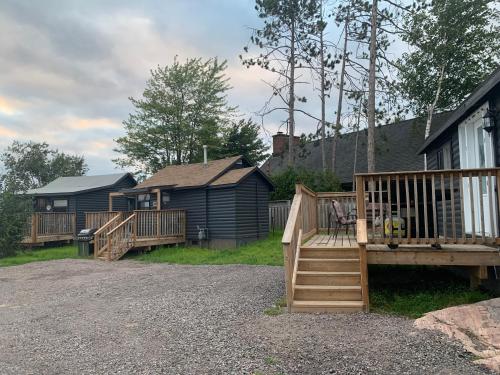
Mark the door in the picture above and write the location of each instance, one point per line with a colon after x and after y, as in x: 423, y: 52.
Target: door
x: 476, y: 151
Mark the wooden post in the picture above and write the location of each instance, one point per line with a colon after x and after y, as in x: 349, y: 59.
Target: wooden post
x: 158, y: 224
x: 34, y: 227
x: 110, y: 204
x: 158, y: 199
x: 362, y: 237
x: 477, y: 274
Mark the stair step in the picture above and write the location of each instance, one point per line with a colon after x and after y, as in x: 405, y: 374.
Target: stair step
x: 328, y: 278
x: 327, y: 306
x: 327, y: 293
x: 329, y: 253
x: 321, y: 264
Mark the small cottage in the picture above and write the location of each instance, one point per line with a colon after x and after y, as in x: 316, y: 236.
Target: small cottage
x: 225, y: 201
x: 60, y: 206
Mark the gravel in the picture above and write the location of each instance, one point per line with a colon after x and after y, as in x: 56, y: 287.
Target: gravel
x: 126, y: 317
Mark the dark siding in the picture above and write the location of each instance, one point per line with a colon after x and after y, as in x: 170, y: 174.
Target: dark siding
x: 252, y: 204
x: 193, y: 201
x: 222, y: 213
x: 98, y: 200
x: 495, y: 103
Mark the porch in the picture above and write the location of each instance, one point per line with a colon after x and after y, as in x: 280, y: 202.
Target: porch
x: 119, y: 232
x: 43, y: 227
x: 450, y: 219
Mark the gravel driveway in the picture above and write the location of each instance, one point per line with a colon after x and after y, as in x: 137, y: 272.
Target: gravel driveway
x: 87, y: 317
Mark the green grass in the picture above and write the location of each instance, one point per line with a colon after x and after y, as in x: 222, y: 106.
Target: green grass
x: 38, y: 255
x: 413, y: 291
x: 262, y: 252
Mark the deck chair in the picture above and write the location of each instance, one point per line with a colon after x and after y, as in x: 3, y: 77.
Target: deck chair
x: 342, y: 220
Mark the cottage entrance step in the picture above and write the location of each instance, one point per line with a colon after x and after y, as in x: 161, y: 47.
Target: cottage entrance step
x: 328, y: 280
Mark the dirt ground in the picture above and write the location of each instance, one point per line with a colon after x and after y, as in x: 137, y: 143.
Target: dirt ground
x: 88, y: 317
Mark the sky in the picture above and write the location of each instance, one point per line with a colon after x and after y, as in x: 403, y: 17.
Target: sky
x: 68, y: 67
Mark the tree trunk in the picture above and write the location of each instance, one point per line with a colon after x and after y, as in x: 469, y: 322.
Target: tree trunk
x: 291, y: 99
x: 430, y: 110
x: 336, y: 132
x: 371, y: 89
x: 323, y: 131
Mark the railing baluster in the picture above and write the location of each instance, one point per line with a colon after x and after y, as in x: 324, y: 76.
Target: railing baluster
x: 473, y: 215
x: 434, y: 208
x: 408, y: 208
x: 453, y: 217
x: 415, y: 195
x: 381, y: 208
x: 491, y: 201
x: 481, y: 205
x: 443, y: 207
x: 389, y: 202
x: 372, y: 193
x: 398, y: 208
x: 426, y: 216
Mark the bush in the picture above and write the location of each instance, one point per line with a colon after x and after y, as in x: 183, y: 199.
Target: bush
x: 284, y: 182
x: 14, y: 211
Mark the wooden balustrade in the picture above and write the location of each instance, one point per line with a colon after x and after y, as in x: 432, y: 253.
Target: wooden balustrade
x: 157, y: 224
x: 96, y: 220
x: 101, y: 236
x: 437, y: 207
x: 121, y: 238
x: 346, y: 199
x: 44, y: 226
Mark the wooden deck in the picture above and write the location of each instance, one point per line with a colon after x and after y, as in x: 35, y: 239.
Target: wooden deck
x: 448, y: 255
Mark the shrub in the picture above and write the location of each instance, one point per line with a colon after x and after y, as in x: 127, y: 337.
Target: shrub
x: 284, y: 182
x: 14, y: 211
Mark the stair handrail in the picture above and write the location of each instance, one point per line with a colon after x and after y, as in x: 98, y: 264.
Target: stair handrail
x: 115, y: 232
x: 100, y: 236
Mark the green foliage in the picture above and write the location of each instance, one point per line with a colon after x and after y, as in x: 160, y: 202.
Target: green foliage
x: 242, y: 138
x: 413, y: 291
x: 183, y: 107
x: 30, y: 165
x: 14, y: 212
x: 39, y: 255
x: 262, y: 252
x: 459, y: 37
x: 284, y: 182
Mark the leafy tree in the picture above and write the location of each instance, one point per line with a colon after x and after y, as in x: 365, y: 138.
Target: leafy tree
x: 281, y: 40
x: 242, y: 138
x: 284, y: 182
x: 30, y: 165
x: 14, y: 211
x: 182, y: 107
x: 455, y: 44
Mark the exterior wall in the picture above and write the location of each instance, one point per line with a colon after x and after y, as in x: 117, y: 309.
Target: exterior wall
x: 222, y: 214
x: 252, y: 209
x: 98, y: 200
x: 193, y: 201
x: 495, y: 103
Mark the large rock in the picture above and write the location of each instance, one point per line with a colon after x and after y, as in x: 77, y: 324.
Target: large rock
x: 476, y: 326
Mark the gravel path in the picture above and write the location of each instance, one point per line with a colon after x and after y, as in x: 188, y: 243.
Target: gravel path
x: 87, y: 317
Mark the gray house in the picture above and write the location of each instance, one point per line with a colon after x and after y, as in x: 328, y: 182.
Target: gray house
x: 226, y: 200
x: 81, y: 194
x: 396, y: 145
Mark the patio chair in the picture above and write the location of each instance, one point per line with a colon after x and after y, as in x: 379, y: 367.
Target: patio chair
x: 342, y: 220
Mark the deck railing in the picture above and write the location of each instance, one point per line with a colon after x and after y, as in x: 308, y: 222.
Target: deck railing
x: 126, y: 229
x: 431, y: 207
x: 95, y: 220
x: 346, y: 199
x: 50, y: 224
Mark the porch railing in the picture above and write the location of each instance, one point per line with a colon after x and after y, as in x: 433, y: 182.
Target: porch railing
x: 95, y: 220
x: 50, y: 224
x: 431, y: 207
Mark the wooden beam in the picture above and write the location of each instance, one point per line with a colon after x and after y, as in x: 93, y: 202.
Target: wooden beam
x: 419, y: 256
x: 361, y: 231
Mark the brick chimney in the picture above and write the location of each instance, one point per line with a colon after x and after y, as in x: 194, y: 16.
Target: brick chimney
x: 280, y: 143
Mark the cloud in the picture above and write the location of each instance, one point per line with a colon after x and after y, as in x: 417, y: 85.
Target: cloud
x: 5, y: 132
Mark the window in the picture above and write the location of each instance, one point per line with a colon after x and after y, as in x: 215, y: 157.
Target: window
x: 60, y: 203
x: 444, y: 157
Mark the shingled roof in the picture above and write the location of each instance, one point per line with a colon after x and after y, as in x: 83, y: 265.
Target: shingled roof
x: 190, y: 175
x: 396, y: 150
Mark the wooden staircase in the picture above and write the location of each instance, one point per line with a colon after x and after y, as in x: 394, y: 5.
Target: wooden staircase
x: 327, y: 280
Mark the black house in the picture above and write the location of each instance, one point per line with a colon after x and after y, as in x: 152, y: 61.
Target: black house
x: 81, y: 194
x: 226, y: 200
